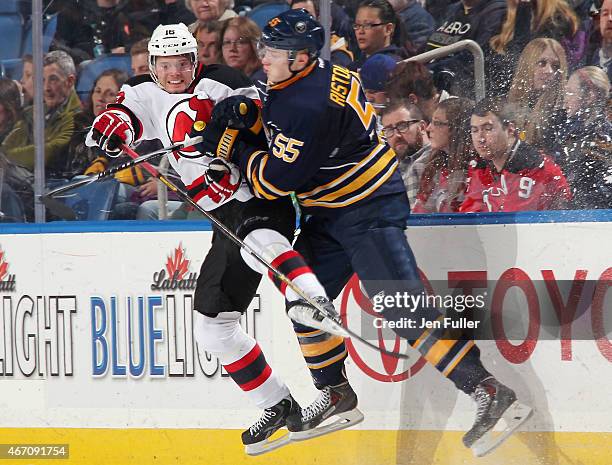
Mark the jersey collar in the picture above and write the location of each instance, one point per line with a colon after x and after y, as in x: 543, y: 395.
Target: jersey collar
x: 305, y: 72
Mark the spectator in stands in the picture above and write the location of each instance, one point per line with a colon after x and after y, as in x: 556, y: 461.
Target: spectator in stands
x: 404, y: 127
x: 239, y: 37
x: 27, y: 80
x: 10, y: 106
x: 61, y: 106
x: 208, y: 36
x: 527, y: 20
x: 374, y: 74
x: 139, y: 54
x: 211, y: 10
x: 340, y: 52
x: 418, y: 23
x: 172, y: 12
x: 414, y: 82
x: 15, y: 190
x: 443, y: 181
x: 378, y: 30
x: 478, y: 20
x: 538, y: 84
x: 96, y: 28
x: 603, y: 55
x: 586, y: 139
x: 90, y: 160
x: 510, y: 175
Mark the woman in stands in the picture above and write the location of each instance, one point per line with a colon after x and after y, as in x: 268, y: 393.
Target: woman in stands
x: 444, y: 178
x: 378, y: 30
x: 239, y: 37
x: 527, y: 20
x: 11, y: 188
x: 586, y: 139
x: 412, y: 81
x: 538, y: 86
x: 10, y: 106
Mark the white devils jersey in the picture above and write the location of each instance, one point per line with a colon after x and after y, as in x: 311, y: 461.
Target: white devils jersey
x: 157, y: 114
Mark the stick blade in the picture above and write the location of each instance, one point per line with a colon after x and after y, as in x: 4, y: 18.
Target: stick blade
x: 57, y: 208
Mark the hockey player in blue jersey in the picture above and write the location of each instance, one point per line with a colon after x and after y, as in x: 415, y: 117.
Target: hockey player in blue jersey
x: 325, y: 148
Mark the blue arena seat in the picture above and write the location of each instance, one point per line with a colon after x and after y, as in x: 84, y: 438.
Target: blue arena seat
x: 49, y: 29
x: 90, y: 70
x: 12, y: 69
x: 11, y: 27
x: 9, y: 6
x: 263, y: 13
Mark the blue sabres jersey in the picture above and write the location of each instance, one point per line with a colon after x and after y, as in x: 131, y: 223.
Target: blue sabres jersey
x: 323, y: 143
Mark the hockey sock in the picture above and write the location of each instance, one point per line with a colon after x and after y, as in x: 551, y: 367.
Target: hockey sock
x: 241, y: 357
x: 456, y: 359
x: 324, y: 354
x: 275, y: 248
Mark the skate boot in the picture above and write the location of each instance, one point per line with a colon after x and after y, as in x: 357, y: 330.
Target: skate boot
x: 497, y: 406
x: 256, y: 438
x: 339, y: 401
x: 302, y: 312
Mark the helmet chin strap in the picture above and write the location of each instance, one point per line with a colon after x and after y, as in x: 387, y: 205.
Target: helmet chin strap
x: 291, y: 58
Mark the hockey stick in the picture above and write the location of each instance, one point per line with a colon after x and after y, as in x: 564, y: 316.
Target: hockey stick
x: 240, y: 243
x: 63, y: 211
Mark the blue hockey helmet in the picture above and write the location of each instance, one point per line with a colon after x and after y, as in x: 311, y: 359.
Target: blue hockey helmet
x: 294, y: 30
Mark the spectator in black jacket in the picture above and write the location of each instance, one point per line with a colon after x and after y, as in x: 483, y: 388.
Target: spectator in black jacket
x: 478, y: 20
x: 418, y: 23
x: 89, y: 28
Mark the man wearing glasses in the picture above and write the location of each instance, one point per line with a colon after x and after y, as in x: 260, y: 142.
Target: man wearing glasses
x: 404, y: 127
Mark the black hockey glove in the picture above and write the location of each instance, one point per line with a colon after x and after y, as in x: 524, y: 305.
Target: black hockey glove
x: 237, y: 112
x: 218, y: 141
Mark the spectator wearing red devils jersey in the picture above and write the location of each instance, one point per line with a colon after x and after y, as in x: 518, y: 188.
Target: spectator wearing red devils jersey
x: 510, y: 175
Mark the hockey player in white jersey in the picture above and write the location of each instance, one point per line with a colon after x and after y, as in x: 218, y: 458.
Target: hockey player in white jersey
x: 165, y: 106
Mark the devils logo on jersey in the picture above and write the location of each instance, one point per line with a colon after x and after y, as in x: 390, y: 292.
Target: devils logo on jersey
x: 181, y: 118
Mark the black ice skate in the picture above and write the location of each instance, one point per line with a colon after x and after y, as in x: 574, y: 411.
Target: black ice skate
x: 497, y: 406
x: 257, y: 438
x: 338, y: 402
x: 302, y: 312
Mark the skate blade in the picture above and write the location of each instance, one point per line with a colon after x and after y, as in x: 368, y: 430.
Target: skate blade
x: 343, y: 420
x: 512, y: 418
x: 267, y: 445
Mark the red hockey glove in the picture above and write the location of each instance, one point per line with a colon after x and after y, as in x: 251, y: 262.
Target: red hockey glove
x: 222, y: 181
x: 109, y: 131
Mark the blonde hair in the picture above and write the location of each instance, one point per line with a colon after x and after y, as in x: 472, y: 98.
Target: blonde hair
x: 594, y: 88
x: 552, y: 11
x: 542, y: 103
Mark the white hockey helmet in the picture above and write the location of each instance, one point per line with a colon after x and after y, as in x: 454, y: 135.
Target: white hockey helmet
x: 172, y: 40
